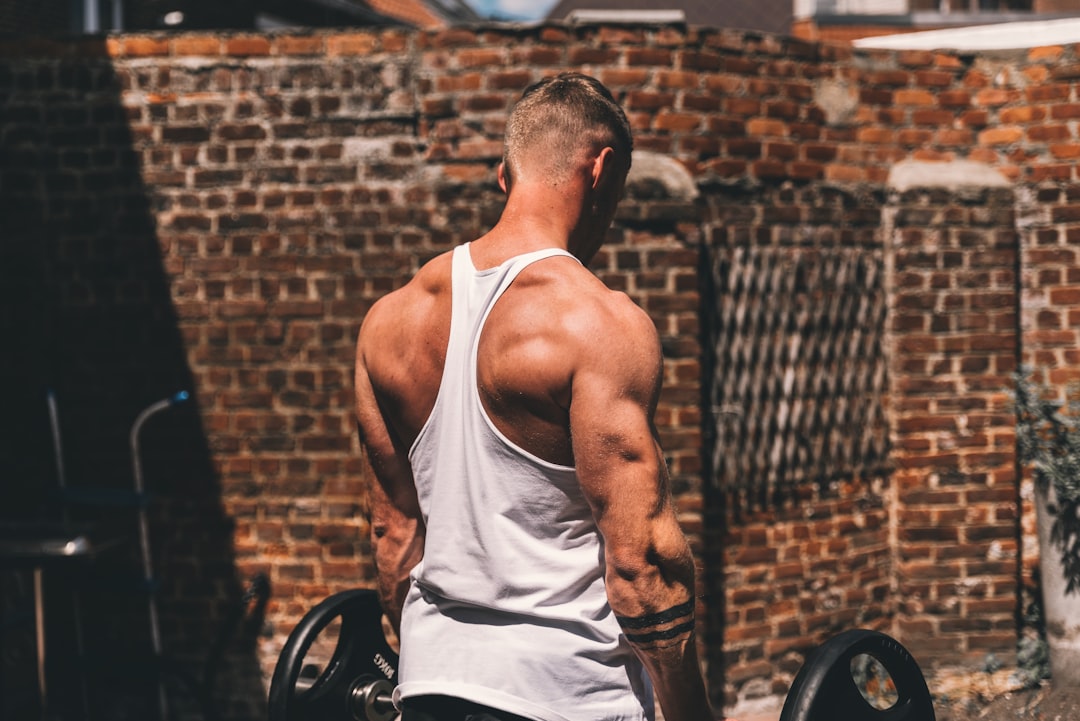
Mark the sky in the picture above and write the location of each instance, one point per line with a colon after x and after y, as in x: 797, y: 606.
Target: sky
x: 513, y: 9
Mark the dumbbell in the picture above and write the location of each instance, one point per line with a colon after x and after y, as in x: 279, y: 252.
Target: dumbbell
x: 357, y: 683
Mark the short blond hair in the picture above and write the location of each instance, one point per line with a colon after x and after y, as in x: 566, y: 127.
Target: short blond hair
x: 562, y: 116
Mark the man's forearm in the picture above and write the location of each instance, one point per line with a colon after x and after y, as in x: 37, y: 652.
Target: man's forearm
x: 396, y: 550
x: 397, y: 530
x: 665, y: 643
x: 652, y: 595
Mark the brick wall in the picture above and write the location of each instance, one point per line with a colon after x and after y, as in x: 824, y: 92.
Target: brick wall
x: 217, y: 212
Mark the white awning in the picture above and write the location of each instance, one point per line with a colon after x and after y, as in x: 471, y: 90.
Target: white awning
x: 1002, y: 36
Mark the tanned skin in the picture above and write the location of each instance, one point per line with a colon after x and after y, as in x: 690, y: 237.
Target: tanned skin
x: 568, y: 370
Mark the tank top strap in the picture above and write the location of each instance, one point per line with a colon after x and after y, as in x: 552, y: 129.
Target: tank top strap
x: 513, y: 267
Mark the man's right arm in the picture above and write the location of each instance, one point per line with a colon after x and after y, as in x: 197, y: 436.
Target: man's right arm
x: 649, y: 565
x: 397, y: 527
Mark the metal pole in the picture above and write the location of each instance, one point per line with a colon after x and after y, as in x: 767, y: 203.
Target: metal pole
x: 39, y: 634
x: 91, y: 16
x: 54, y: 423
x: 144, y: 536
x: 61, y: 482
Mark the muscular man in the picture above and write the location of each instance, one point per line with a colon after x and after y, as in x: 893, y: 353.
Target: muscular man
x: 522, y: 524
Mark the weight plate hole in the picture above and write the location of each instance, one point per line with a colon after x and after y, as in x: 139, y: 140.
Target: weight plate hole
x: 874, y: 682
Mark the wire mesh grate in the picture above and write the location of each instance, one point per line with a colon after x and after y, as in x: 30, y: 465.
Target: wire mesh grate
x: 799, y: 372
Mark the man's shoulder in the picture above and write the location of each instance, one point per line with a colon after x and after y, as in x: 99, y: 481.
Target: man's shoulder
x: 405, y: 316
x: 613, y: 343
x: 586, y: 307
x: 428, y: 283
x: 606, y: 304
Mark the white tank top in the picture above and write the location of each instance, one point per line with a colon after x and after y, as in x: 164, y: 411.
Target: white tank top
x: 508, y: 607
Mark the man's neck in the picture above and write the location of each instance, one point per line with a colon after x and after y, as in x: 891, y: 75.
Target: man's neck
x: 541, y: 216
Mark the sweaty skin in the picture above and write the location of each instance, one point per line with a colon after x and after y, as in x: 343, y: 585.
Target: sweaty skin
x: 568, y: 370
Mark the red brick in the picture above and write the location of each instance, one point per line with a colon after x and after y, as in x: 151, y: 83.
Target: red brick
x: 1048, y: 92
x: 141, y: 47
x: 915, y: 58
x: 480, y: 57
x: 893, y: 78
x: 648, y: 100
x: 649, y: 56
x: 452, y: 37
x: 953, y: 98
x: 1069, y: 151
x: 1043, y: 133
x: 508, y: 80
x: 207, y: 45
x: 1001, y: 136
x: 1050, y: 52
x: 1065, y: 111
x: 351, y: 44
x: 677, y: 122
x: 294, y: 45
x: 609, y: 34
x: 994, y: 96
x: 766, y: 127
x: 914, y: 96
x: 588, y: 55
x: 1065, y: 296
x: 622, y: 78
x: 458, y: 83
x: 394, y: 41
x: 677, y: 79
x: 244, y: 46
x: 844, y: 173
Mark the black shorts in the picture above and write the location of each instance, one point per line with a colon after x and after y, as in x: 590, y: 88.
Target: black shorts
x: 448, y: 708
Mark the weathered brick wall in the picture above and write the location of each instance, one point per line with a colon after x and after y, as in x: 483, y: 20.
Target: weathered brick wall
x: 217, y: 212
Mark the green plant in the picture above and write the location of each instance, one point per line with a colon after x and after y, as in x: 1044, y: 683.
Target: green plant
x: 1048, y: 440
x: 1032, y: 650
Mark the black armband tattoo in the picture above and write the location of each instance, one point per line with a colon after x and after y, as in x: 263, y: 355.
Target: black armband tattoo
x: 666, y: 635
x: 649, y: 628
x: 655, y: 619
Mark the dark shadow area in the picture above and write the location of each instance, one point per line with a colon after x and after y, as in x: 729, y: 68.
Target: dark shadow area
x: 715, y: 501
x: 86, y: 310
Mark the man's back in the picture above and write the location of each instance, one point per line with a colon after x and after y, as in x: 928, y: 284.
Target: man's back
x: 555, y: 311
x: 510, y: 582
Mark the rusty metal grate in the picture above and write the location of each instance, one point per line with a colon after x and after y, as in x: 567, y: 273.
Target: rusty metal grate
x: 798, y: 369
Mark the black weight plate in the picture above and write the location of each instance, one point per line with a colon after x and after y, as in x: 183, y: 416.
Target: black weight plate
x: 361, y: 652
x: 824, y: 689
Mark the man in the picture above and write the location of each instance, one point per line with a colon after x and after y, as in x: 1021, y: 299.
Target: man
x: 522, y: 524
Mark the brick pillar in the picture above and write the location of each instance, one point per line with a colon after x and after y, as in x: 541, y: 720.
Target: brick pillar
x: 953, y: 326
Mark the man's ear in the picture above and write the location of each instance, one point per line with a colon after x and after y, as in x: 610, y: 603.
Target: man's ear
x: 603, y: 168
x: 504, y: 178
